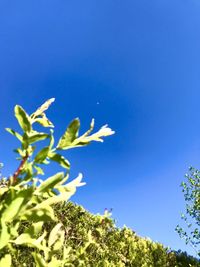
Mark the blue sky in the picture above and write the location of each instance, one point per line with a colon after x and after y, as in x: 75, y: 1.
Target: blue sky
x: 132, y: 64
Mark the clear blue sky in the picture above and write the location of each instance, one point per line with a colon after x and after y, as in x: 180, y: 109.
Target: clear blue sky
x: 140, y: 60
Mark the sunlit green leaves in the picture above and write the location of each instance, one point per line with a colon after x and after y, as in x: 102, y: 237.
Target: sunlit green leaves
x: 70, y: 135
x: 104, y: 131
x: 42, y: 155
x: 70, y: 139
x: 38, y: 214
x: 4, y: 234
x: 35, y: 137
x: 27, y: 200
x: 51, y: 182
x: 16, y: 134
x: 39, y: 170
x: 40, y: 262
x: 55, y: 234
x: 60, y: 159
x: 15, y: 203
x: 6, y: 261
x: 44, y: 122
x: 191, y: 218
x: 34, y: 229
x: 42, y: 108
x: 23, y: 118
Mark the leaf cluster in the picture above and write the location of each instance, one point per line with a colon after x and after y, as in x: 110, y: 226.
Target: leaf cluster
x: 25, y: 199
x: 94, y: 240
x: 191, y: 218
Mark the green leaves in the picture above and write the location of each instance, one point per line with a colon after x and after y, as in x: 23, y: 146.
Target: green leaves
x: 15, y: 202
x: 44, y: 122
x: 35, y: 137
x: 29, y: 201
x: 4, y: 234
x: 60, y: 159
x: 14, y: 133
x: 54, y: 234
x: 42, y: 155
x: 42, y: 108
x: 191, y: 218
x: 40, y: 262
x: 23, y: 119
x: 6, y: 261
x: 51, y: 182
x: 39, y: 214
x: 70, y: 138
x: 70, y: 135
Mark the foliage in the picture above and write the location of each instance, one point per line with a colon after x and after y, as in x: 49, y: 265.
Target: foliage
x: 94, y: 240
x: 191, y: 190
x: 38, y: 227
x: 184, y: 260
x: 25, y: 198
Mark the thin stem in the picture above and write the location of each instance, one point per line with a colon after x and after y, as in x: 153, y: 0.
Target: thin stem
x: 19, y: 169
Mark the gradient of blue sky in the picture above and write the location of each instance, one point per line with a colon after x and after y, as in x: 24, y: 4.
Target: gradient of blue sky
x: 132, y: 64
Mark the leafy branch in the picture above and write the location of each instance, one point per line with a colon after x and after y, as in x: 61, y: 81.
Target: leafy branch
x: 26, y: 198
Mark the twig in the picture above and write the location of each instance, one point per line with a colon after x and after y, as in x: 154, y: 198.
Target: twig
x: 19, y: 169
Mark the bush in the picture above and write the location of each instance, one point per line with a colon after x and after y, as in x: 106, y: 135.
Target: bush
x: 94, y: 240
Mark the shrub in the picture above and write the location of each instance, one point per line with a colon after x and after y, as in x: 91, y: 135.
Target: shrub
x: 94, y: 240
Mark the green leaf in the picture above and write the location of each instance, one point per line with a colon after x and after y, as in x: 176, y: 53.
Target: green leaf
x: 70, y: 134
x: 103, y: 132
x: 71, y: 186
x: 66, y: 252
x: 23, y: 118
x: 3, y: 190
x: 21, y: 152
x: 14, y: 229
x: 42, y: 155
x: 89, y: 131
x: 39, y: 170
x: 43, y: 107
x: 40, y: 262
x: 14, y: 133
x: 54, y: 234
x: 6, y: 261
x: 35, y: 137
x: 60, y: 159
x: 51, y: 182
x: 55, y: 262
x: 26, y: 239
x: 77, y: 182
x: 60, y: 241
x: 51, y: 138
x: 43, y: 214
x: 17, y: 204
x: 44, y: 122
x: 58, y: 198
x: 4, y: 234
x: 34, y: 229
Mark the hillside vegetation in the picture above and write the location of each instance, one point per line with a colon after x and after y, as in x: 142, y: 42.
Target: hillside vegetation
x: 94, y: 240
x: 39, y: 227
